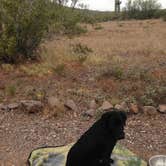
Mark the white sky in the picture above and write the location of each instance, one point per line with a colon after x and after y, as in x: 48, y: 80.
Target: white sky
x: 107, y: 5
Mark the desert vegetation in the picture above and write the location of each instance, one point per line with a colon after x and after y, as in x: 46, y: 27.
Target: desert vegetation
x: 24, y: 24
x: 50, y: 50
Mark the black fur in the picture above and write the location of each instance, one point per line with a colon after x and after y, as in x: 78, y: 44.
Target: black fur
x: 94, y: 148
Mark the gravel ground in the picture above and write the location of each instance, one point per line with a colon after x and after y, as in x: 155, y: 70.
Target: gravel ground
x: 20, y: 133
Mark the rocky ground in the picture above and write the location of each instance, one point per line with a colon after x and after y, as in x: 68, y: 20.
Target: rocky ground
x: 20, y: 133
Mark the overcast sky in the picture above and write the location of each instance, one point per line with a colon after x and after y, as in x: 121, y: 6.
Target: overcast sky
x: 107, y: 5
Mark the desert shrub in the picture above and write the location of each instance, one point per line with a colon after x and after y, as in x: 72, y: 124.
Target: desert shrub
x: 59, y: 69
x: 138, y: 73
x: 64, y: 20
x: 10, y: 90
x: 23, y: 24
x: 153, y: 95
x: 113, y: 71
x: 141, y: 9
x: 98, y: 27
x: 81, y: 49
x: 81, y: 52
x: 7, y: 67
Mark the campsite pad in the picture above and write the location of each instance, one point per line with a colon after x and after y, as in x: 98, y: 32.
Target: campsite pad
x: 56, y: 156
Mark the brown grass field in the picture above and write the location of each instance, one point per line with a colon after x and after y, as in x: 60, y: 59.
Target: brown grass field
x: 122, y: 60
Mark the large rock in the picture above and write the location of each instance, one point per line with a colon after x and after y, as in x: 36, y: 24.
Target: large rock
x: 70, y: 104
x: 90, y: 113
x: 53, y: 102
x: 13, y: 106
x: 149, y: 110
x: 106, y: 106
x: 123, y: 106
x: 162, y: 108
x: 9, y: 107
x: 32, y: 106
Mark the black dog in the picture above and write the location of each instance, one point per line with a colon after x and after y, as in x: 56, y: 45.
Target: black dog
x: 94, y: 148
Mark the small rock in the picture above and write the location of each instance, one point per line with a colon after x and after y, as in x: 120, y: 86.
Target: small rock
x: 13, y: 106
x: 70, y: 104
x: 149, y: 110
x: 93, y: 104
x: 90, y: 113
x: 53, y: 102
x: 118, y: 106
x: 106, y: 106
x: 123, y: 106
x: 134, y: 108
x: 162, y: 108
x: 3, y: 107
x: 31, y: 106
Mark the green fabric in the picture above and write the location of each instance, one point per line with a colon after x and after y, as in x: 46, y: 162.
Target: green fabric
x: 56, y: 156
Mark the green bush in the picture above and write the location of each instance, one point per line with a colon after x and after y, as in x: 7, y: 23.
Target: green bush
x: 81, y: 49
x: 141, y: 9
x: 64, y: 20
x: 153, y: 95
x: 23, y: 24
x: 81, y: 52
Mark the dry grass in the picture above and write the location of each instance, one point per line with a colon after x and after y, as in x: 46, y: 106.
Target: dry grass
x: 127, y: 62
x: 128, y: 59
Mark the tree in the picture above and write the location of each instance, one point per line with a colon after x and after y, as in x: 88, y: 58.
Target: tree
x: 117, y: 6
x: 142, y: 9
x: 22, y: 25
x: 64, y: 2
x: 61, y: 2
x: 73, y: 3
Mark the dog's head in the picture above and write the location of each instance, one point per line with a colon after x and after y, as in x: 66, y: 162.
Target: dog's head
x: 114, y: 122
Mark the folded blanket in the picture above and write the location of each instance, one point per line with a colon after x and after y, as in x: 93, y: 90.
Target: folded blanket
x: 56, y: 156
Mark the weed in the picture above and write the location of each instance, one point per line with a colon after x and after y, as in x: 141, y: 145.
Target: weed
x: 7, y: 67
x: 113, y: 71
x: 36, y: 94
x: 138, y: 73
x: 153, y: 95
x: 38, y: 70
x: 81, y: 52
x: 59, y: 69
x: 10, y: 90
x: 98, y: 27
x: 81, y: 49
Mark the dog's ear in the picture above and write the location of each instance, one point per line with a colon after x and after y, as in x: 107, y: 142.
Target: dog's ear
x: 114, y: 118
x: 106, y: 115
x: 108, y: 118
